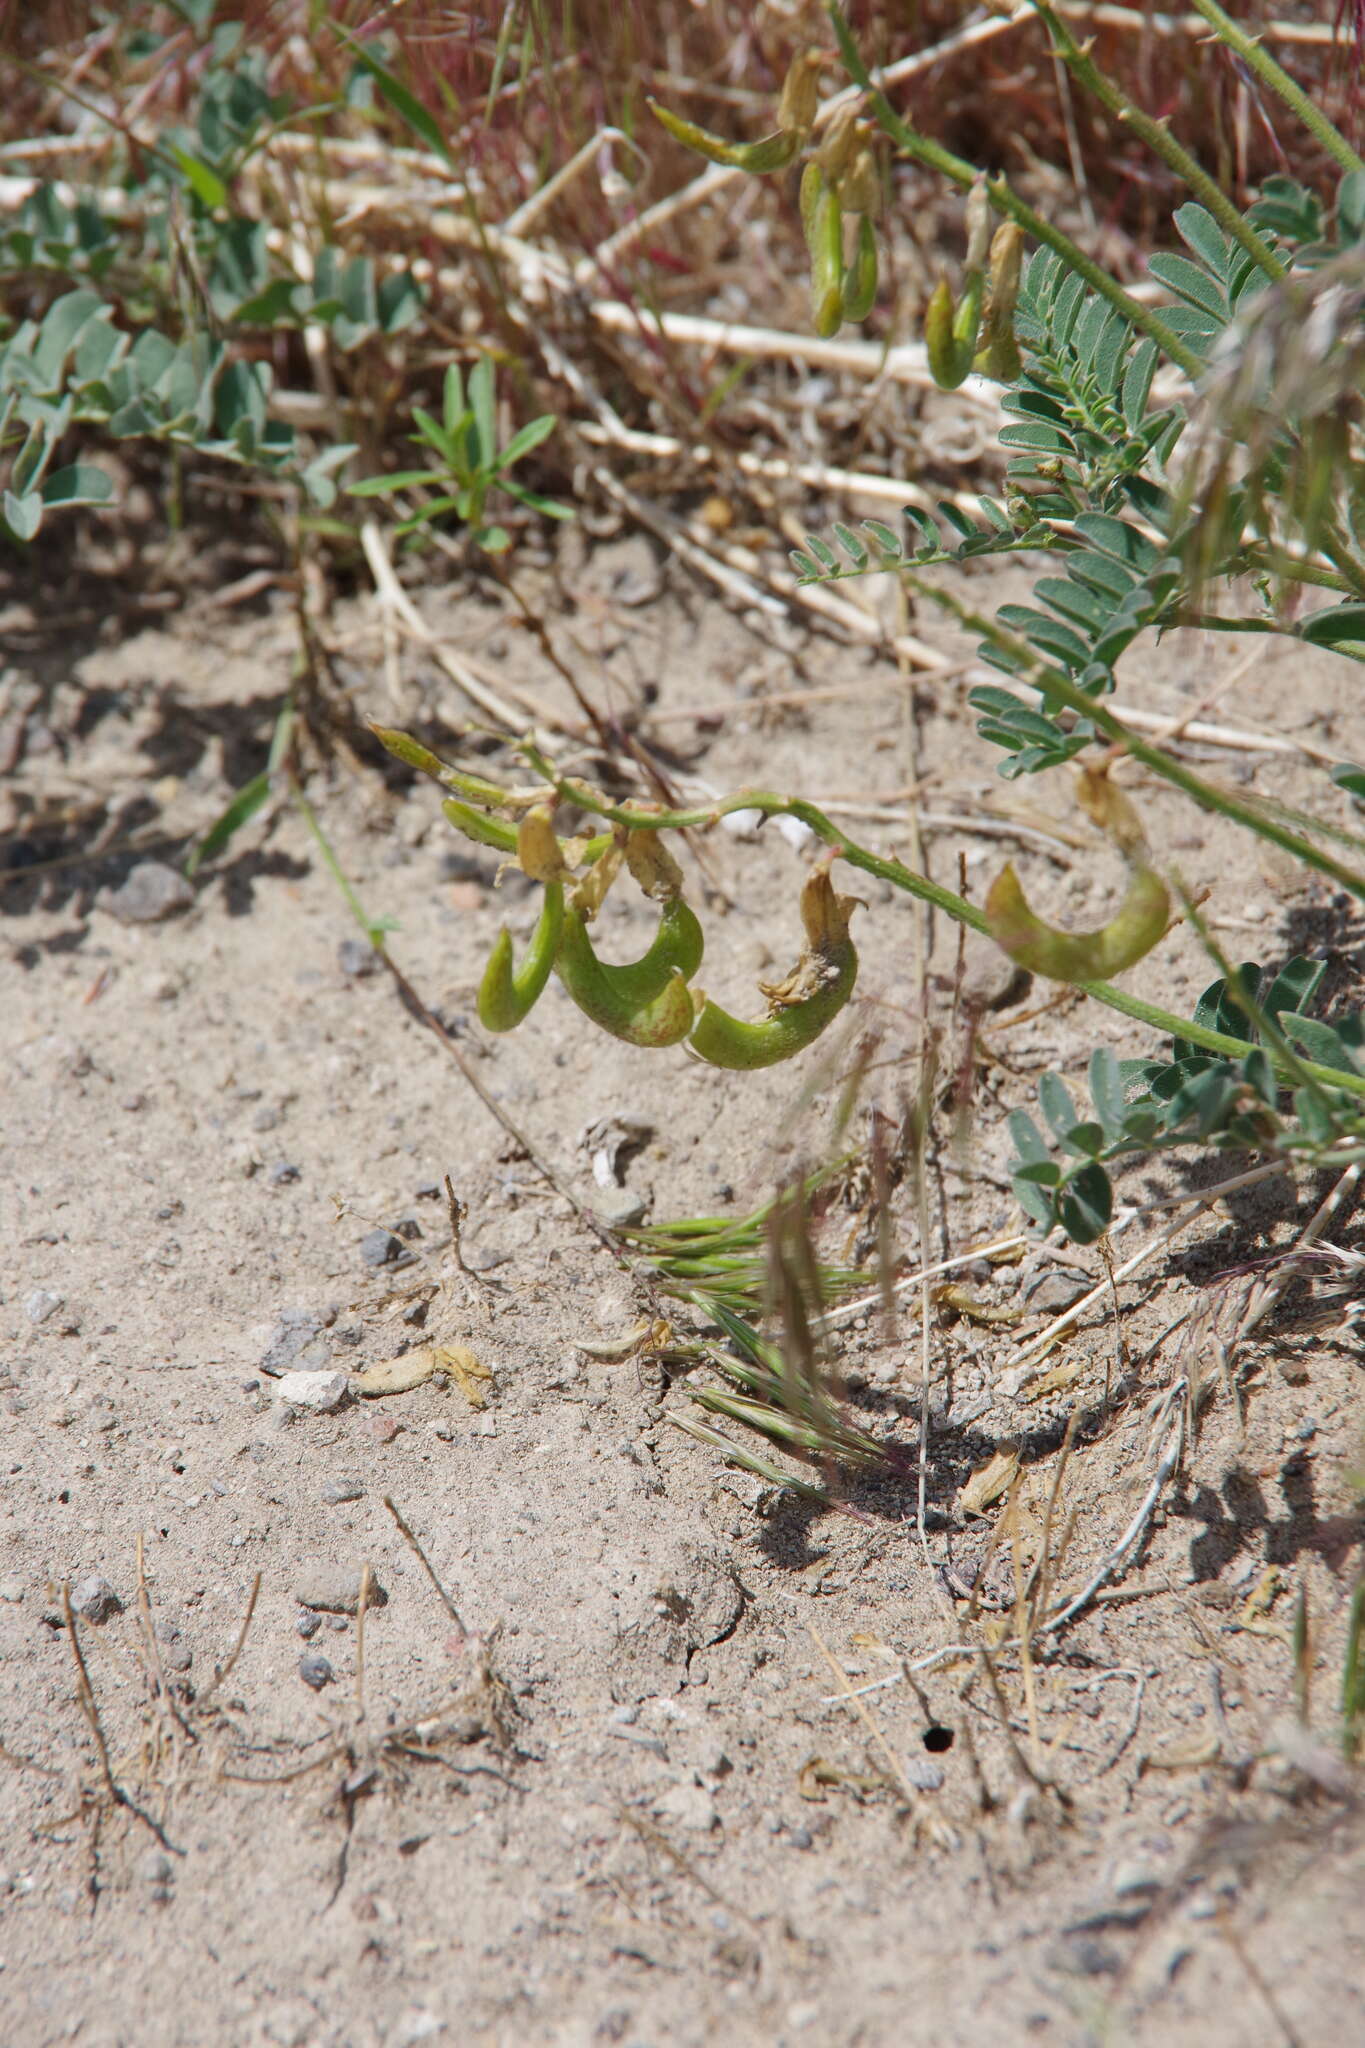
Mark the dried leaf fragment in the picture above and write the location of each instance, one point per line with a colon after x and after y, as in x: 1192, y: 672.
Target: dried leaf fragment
x: 988, y: 1482
x: 647, y: 1334
x: 413, y: 1368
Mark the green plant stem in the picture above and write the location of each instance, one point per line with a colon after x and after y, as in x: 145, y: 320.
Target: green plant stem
x: 372, y: 928
x: 1159, y: 140
x: 1280, y: 562
x: 900, y: 877
x: 1272, y: 74
x: 1040, y: 675
x: 1007, y: 202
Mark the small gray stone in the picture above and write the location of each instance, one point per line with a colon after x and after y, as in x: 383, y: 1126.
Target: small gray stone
x: 176, y: 1653
x: 307, y: 1624
x: 282, y: 1173
x: 380, y: 1248
x: 1054, y: 1291
x: 801, y: 1838
x: 315, y: 1670
x: 1131, y: 1880
x: 266, y: 1119
x: 297, y: 1344
x: 94, y: 1599
x: 338, y: 1490
x: 338, y: 1593
x: 151, y: 892
x: 357, y: 958
x: 1083, y: 1955
x: 155, y: 1867
x: 619, y: 1209
x: 40, y: 1305
x: 11, y: 1591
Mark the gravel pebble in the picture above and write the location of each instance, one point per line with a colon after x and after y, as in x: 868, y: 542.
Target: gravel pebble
x: 307, y: 1624
x: 357, y: 958
x: 152, y: 891
x: 94, y: 1599
x: 380, y: 1247
x: 297, y: 1343
x: 923, y: 1774
x: 338, y: 1490
x: 1054, y: 1291
x: 619, y: 1208
x: 282, y: 1173
x: 690, y: 1806
x: 315, y: 1670
x: 338, y: 1593
x: 176, y: 1653
x: 11, y: 1591
x: 321, y: 1391
x: 40, y: 1305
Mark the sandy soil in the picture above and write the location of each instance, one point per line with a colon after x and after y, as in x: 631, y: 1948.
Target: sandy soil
x: 616, y: 1798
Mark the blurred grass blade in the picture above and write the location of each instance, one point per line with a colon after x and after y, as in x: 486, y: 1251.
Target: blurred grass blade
x: 407, y: 107
x: 250, y: 798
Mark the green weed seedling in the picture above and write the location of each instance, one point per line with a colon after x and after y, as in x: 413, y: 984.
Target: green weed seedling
x: 470, y: 466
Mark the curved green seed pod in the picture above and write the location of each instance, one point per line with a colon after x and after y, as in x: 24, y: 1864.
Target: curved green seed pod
x: 799, y: 1008
x: 1138, y: 925
x: 479, y: 826
x: 772, y: 153
x: 647, y: 1004
x: 507, y: 993
x: 950, y: 333
x: 824, y: 226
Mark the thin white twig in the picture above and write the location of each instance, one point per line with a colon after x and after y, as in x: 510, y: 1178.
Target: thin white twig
x: 398, y: 604
x: 531, y: 209
x: 1112, y: 1561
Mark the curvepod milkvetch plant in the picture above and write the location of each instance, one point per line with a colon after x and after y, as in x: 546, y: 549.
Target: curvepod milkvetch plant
x: 648, y: 1002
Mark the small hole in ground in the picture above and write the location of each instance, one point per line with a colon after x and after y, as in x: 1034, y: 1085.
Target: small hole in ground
x: 937, y: 1739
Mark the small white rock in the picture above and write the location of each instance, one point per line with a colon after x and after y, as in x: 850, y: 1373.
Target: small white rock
x: 322, y: 1391
x: 41, y: 1304
x: 795, y: 831
x: 691, y: 1806
x: 742, y: 824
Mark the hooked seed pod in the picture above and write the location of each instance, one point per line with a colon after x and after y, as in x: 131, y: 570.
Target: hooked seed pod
x: 648, y: 1003
x: 802, y: 1006
x: 839, y: 292
x: 1139, y: 923
x: 1137, y: 926
x: 507, y: 992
